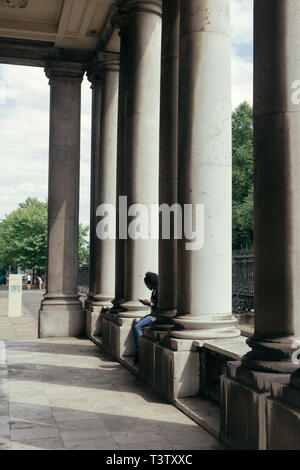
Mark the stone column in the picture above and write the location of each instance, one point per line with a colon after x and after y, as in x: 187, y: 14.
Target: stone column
x: 142, y: 105
x: 121, y: 160
x: 204, y: 169
x: 168, y: 161
x: 277, y: 186
x: 256, y: 395
x: 105, y: 85
x: 61, y: 311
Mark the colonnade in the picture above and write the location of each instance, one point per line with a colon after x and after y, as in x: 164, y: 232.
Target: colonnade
x: 161, y: 132
x: 150, y: 165
x: 174, y: 79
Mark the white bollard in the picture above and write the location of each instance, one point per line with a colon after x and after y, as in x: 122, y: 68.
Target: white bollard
x: 15, y: 295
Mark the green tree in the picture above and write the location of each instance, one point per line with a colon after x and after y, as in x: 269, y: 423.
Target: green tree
x: 242, y: 176
x: 23, y: 237
x: 83, y: 244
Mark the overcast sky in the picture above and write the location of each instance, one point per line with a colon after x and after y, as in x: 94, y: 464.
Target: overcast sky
x: 24, y: 119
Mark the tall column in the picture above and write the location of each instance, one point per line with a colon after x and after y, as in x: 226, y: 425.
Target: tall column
x: 121, y: 160
x: 142, y: 105
x: 277, y: 185
x: 61, y: 310
x: 168, y: 160
x: 204, y: 169
x: 105, y: 85
x: 257, y: 390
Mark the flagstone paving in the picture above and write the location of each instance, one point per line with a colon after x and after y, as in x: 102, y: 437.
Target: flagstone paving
x: 66, y: 394
x: 24, y: 327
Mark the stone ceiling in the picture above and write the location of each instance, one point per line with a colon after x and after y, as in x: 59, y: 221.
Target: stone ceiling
x: 67, y: 24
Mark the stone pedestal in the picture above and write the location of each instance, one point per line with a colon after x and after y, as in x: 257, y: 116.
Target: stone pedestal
x: 107, y: 320
x: 63, y: 317
x: 177, y: 371
x: 244, y: 397
x: 93, y: 321
x: 283, y: 415
x: 117, y: 336
x: 148, y: 344
x: 61, y: 312
x: 170, y: 366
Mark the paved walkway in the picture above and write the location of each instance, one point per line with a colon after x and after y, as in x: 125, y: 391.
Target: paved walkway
x: 24, y: 327
x: 67, y: 394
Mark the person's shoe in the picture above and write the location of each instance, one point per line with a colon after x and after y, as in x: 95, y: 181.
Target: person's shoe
x: 136, y: 359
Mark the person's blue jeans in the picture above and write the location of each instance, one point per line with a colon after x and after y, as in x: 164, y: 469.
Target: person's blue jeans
x: 138, y: 329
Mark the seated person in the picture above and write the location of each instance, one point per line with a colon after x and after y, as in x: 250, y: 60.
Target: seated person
x: 151, y: 281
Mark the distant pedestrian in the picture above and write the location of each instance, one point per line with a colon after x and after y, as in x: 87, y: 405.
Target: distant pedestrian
x: 29, y: 281
x: 40, y: 281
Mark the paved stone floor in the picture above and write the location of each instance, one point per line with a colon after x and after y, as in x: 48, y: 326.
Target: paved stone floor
x: 24, y: 327
x: 66, y: 394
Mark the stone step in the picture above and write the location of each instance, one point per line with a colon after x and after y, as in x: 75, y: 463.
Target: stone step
x: 203, y: 411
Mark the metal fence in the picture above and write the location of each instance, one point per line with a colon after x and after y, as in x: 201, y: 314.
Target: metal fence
x: 83, y: 275
x: 242, y: 279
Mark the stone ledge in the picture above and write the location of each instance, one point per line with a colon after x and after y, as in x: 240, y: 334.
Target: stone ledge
x: 233, y: 348
x: 97, y: 340
x: 128, y: 362
x: 203, y: 411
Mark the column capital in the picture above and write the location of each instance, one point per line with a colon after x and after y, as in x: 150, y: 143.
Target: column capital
x: 56, y: 69
x: 105, y: 62
x: 129, y: 7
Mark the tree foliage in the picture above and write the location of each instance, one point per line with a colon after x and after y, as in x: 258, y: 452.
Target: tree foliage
x: 23, y: 237
x: 242, y: 176
x: 83, y: 245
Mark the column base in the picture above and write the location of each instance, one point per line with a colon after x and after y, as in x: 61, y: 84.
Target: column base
x: 98, y: 300
x: 272, y: 355
x: 243, y: 408
x: 61, y: 316
x: 164, y: 320
x: 194, y: 327
x: 133, y: 309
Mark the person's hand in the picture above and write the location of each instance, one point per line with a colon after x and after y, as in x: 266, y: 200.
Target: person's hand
x: 145, y: 302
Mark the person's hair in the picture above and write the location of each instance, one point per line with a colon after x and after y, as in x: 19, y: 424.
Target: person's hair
x: 151, y: 278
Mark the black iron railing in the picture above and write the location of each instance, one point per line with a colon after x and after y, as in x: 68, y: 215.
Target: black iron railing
x: 242, y: 279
